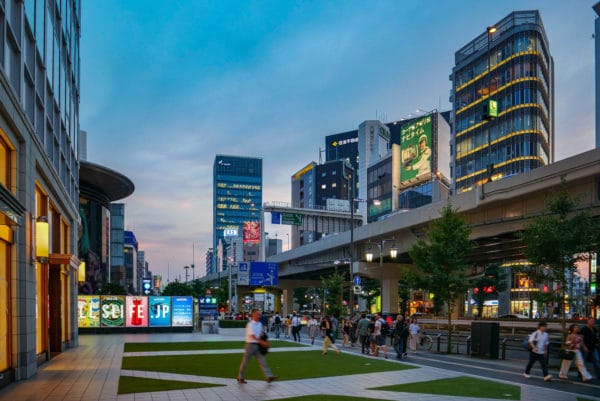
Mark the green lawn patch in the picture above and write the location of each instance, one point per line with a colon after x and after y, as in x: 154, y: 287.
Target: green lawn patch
x: 461, y: 387
x: 326, y: 397
x: 199, y: 346
x: 130, y: 384
x: 287, y: 365
x: 583, y: 399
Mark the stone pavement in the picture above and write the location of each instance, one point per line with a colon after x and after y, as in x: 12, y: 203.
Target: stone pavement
x: 91, y: 372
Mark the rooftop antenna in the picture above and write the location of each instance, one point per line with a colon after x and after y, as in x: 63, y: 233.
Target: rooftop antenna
x: 321, y: 151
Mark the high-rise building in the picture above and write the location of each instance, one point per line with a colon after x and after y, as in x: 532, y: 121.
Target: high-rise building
x: 39, y: 180
x: 117, y: 244
x: 596, y: 8
x: 130, y: 252
x: 502, y: 102
x: 237, y: 202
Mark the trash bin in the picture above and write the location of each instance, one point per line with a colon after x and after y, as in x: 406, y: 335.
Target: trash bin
x: 485, y: 338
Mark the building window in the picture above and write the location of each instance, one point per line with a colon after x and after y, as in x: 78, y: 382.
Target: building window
x: 334, y: 185
x: 323, y: 186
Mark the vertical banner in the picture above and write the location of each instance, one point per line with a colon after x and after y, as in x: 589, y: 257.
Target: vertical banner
x: 182, y: 312
x: 160, y: 311
x: 88, y: 311
x: 137, y: 311
x: 112, y: 310
x: 416, y: 156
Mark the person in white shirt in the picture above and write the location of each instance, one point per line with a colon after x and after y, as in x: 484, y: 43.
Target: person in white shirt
x: 296, y: 327
x: 538, y: 346
x: 313, y: 328
x: 254, y: 341
x: 413, y: 331
x: 379, y: 337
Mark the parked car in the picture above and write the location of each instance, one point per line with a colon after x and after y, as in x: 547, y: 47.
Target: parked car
x: 513, y: 316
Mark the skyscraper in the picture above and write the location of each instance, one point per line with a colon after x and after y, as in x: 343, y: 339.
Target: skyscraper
x: 237, y: 202
x: 503, y: 102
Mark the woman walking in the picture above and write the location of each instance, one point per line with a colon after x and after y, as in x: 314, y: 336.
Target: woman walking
x: 414, y: 331
x: 328, y: 340
x: 575, y: 345
x: 313, y: 328
x: 347, y: 328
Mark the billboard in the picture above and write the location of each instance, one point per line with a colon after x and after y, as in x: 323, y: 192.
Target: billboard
x: 251, y: 232
x: 416, y: 155
x: 88, y: 311
x: 264, y: 274
x: 136, y: 311
x: 182, y: 311
x: 160, y: 311
x: 112, y: 309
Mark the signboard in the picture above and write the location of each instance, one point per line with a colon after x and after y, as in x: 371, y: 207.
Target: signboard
x: 264, y: 274
x: 147, y: 285
x: 384, y: 206
x: 294, y: 219
x: 243, y: 276
x: 275, y: 218
x: 183, y: 311
x: 160, y: 311
x: 338, y: 205
x: 251, y: 232
x: 230, y: 232
x: 208, y: 306
x: 112, y: 310
x: 490, y: 109
x: 136, y: 311
x: 88, y: 311
x: 416, y: 155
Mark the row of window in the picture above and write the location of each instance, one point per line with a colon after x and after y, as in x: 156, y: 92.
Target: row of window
x: 520, y: 42
x: 512, y: 168
x: 416, y: 196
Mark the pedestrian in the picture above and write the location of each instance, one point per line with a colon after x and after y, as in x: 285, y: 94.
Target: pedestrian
x: 254, y: 342
x: 313, y: 328
x: 399, y: 329
x: 363, y: 333
x: 590, y: 339
x: 296, y: 326
x: 334, y: 327
x: 538, y: 346
x: 372, y: 344
x: 346, y: 329
x: 413, y: 332
x: 277, y: 324
x: 380, y: 336
x: 264, y: 319
x: 287, y: 326
x: 328, y: 340
x: 574, y: 344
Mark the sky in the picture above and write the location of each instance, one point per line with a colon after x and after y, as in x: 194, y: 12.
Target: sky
x: 167, y: 85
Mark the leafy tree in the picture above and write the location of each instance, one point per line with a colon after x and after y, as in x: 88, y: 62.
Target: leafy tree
x: 492, y: 281
x: 560, y: 238
x: 371, y: 289
x: 403, y: 296
x: 334, y: 291
x: 111, y: 289
x: 177, y: 288
x: 441, y: 260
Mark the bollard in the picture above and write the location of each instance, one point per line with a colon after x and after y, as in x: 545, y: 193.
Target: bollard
x: 439, y: 340
x: 503, y: 344
x: 469, y: 345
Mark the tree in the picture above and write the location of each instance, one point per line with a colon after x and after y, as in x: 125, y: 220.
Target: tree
x: 560, y: 238
x: 177, y: 288
x: 403, y: 296
x: 334, y: 290
x: 371, y: 289
x: 111, y: 289
x: 492, y: 281
x: 441, y: 260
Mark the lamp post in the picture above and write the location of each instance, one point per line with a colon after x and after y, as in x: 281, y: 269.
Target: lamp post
x: 393, y: 253
x: 350, y: 179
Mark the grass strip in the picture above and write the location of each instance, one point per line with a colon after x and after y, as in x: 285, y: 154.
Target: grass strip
x: 286, y: 365
x: 198, y: 346
x: 130, y: 384
x: 461, y: 387
x: 326, y: 397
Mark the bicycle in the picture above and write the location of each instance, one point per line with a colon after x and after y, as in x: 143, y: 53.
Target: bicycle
x: 425, y: 341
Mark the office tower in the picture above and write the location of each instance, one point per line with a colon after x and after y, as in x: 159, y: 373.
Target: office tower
x: 596, y: 8
x: 502, y: 102
x: 237, y: 202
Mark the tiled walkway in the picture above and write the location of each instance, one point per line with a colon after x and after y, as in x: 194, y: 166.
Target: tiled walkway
x: 91, y: 372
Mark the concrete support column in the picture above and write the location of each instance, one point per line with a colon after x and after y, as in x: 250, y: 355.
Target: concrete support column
x: 287, y: 305
x: 389, y: 302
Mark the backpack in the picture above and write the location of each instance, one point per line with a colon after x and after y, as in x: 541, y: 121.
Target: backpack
x: 277, y: 320
x: 385, y: 329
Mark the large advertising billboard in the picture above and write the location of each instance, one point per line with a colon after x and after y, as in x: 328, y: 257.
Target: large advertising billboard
x: 160, y: 311
x: 182, y: 311
x: 264, y: 274
x: 88, y: 311
x: 251, y: 232
x: 416, y: 154
x: 136, y: 311
x: 112, y: 309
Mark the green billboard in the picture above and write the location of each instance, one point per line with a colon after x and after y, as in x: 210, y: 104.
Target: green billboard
x: 416, y: 155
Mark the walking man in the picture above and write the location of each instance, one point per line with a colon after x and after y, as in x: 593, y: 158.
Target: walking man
x: 363, y: 333
x: 538, y: 346
x: 296, y: 327
x: 254, y: 342
x: 380, y: 336
x: 590, y: 340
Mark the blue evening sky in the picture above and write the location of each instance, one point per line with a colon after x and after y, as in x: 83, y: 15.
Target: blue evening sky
x: 166, y: 85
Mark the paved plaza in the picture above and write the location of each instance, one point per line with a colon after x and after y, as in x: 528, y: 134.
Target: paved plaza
x: 92, y: 370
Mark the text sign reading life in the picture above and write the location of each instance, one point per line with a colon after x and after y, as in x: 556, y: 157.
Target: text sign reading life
x: 264, y: 274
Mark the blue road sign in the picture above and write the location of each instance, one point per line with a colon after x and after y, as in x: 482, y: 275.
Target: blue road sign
x: 357, y: 280
x: 264, y: 274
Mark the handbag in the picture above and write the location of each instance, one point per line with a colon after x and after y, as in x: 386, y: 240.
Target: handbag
x: 566, y: 354
x: 264, y: 350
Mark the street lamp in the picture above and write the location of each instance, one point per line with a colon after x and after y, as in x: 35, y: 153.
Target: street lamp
x: 393, y: 253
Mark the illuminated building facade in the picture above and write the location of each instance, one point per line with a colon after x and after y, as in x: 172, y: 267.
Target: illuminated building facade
x: 237, y: 202
x: 510, y: 64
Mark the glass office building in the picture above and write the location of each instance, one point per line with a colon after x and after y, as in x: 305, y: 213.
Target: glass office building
x: 509, y: 63
x: 237, y: 201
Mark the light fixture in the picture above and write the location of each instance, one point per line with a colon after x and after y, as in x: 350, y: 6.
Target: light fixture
x: 41, y: 239
x: 393, y: 251
x: 491, y: 29
x: 369, y: 255
x: 81, y: 272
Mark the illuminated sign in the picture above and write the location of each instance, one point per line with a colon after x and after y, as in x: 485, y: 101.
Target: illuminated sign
x: 112, y: 310
x: 223, y: 163
x: 230, y: 232
x: 88, y: 311
x: 160, y: 311
x: 416, y: 155
x: 136, y: 311
x: 264, y: 273
x: 251, y: 232
x: 182, y: 311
